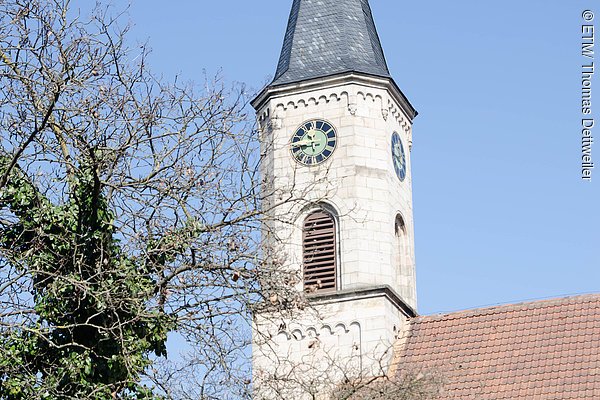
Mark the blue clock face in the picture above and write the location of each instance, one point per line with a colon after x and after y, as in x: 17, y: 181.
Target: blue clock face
x: 398, y: 156
x: 313, y: 142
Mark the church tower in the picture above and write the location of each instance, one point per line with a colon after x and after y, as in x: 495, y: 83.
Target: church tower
x: 336, y: 134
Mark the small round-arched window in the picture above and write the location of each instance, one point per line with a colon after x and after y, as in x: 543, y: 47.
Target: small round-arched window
x: 319, y: 252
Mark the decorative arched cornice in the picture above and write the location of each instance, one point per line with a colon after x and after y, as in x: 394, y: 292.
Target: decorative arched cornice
x: 317, y: 331
x: 337, y: 83
x: 398, y: 115
x: 312, y: 101
x: 271, y: 116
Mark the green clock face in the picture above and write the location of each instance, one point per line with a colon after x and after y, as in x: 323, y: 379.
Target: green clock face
x: 313, y: 142
x: 398, y: 156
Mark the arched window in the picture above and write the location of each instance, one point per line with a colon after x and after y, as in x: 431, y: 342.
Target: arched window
x: 319, y: 252
x: 401, y: 246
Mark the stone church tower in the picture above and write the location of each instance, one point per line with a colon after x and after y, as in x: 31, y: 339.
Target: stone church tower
x: 336, y: 134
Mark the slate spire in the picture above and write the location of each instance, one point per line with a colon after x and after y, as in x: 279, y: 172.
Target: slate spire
x: 328, y: 37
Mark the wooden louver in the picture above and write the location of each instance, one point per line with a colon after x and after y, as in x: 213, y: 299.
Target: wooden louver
x: 319, y: 252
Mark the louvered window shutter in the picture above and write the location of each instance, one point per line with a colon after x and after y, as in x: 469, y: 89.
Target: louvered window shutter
x: 319, y: 253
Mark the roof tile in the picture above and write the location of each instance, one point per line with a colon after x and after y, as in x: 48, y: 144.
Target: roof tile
x: 547, y: 350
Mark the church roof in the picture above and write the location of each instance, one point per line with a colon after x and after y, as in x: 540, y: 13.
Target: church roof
x: 329, y: 37
x: 539, y: 350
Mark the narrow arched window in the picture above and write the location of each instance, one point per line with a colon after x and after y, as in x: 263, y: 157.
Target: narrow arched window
x: 401, y: 246
x: 319, y: 250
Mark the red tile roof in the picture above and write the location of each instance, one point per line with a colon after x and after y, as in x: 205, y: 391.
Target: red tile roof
x: 544, y: 350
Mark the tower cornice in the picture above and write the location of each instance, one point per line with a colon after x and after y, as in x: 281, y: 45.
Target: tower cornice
x: 365, y: 293
x: 273, y: 92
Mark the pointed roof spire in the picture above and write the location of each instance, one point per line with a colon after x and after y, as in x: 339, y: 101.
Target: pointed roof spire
x: 328, y: 37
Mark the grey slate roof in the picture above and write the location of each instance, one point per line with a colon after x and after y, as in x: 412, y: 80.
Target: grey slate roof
x: 328, y: 37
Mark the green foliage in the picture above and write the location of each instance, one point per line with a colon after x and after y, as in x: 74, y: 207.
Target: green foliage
x: 95, y: 326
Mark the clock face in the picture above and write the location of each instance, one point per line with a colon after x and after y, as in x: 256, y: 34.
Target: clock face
x: 313, y: 142
x: 398, y: 156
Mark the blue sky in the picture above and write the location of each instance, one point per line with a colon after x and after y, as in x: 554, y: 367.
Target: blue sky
x: 501, y: 212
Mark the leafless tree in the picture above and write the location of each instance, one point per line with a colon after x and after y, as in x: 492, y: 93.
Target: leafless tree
x: 130, y: 208
x: 176, y: 165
